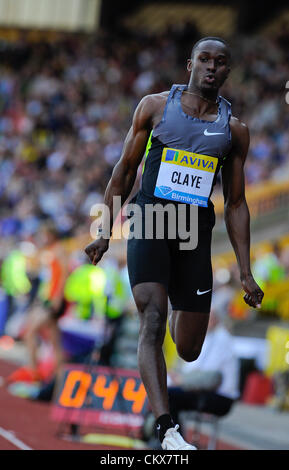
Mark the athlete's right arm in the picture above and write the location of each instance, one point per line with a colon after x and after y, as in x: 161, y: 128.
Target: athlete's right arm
x: 125, y: 171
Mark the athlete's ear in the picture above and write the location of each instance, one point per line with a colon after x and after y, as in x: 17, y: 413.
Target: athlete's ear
x: 189, y: 65
x: 227, y: 73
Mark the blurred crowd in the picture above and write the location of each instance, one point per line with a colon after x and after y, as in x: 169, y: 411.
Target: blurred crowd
x: 66, y: 106
x: 270, y: 268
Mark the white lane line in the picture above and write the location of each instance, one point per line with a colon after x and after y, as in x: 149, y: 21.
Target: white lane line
x: 9, y: 436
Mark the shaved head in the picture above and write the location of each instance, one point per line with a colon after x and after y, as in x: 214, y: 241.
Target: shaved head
x: 212, y: 38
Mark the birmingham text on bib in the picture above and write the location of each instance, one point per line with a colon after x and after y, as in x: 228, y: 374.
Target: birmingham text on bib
x: 185, y: 177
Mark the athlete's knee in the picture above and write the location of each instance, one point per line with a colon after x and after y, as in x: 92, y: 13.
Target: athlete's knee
x: 188, y: 353
x: 153, y: 326
x: 152, y: 322
x: 152, y: 309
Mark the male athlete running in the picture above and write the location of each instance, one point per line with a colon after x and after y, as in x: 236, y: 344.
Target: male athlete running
x: 191, y: 124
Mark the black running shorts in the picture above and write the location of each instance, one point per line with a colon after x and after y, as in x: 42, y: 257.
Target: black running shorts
x: 186, y: 274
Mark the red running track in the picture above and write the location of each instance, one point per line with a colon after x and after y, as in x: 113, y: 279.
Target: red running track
x: 30, y: 422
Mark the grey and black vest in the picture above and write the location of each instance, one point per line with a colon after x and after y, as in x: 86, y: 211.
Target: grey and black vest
x: 178, y: 130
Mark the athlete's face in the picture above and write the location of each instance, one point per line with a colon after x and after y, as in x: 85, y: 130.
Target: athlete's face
x: 209, y: 65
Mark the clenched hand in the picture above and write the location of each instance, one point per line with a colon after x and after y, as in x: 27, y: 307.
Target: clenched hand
x: 254, y: 294
x: 96, y: 249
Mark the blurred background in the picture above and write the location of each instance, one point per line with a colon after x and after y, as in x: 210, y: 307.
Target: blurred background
x: 71, y: 74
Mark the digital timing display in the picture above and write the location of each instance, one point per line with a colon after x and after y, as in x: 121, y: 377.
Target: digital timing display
x: 100, y: 395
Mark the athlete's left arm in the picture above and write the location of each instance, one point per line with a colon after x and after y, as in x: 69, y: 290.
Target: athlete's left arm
x: 237, y: 216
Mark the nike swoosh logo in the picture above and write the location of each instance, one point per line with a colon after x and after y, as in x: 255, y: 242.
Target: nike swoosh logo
x: 206, y: 132
x: 204, y: 292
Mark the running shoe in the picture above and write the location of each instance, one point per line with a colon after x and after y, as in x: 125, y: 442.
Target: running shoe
x: 174, y: 441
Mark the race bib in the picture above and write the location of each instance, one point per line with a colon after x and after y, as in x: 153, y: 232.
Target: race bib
x: 185, y: 177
